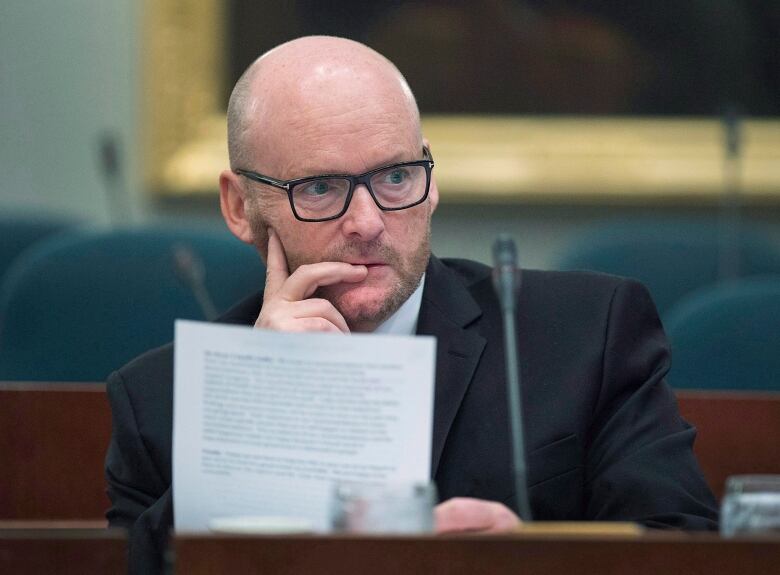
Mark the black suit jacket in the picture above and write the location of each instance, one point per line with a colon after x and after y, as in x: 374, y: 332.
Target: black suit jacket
x: 604, y: 437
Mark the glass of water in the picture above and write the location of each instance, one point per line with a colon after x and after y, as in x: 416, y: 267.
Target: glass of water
x: 386, y: 508
x: 751, y: 505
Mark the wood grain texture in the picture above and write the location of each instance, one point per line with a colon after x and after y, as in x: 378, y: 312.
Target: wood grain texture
x: 739, y: 433
x: 53, y: 441
x: 476, y: 555
x: 55, y: 550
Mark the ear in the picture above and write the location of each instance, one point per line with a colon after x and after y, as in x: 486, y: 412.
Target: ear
x: 433, y: 191
x: 232, y: 201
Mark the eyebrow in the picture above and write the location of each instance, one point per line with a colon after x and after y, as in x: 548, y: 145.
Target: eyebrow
x: 398, y: 158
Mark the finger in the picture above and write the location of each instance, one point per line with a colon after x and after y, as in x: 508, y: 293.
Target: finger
x: 460, y: 514
x: 318, y: 307
x: 276, y: 272
x: 504, y: 519
x: 309, y: 324
x: 307, y: 278
x: 468, y: 514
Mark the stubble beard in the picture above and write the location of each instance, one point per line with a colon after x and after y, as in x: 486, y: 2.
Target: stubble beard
x: 367, y: 315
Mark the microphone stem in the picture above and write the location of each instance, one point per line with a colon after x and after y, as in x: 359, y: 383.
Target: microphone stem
x: 204, y: 300
x: 730, y: 249
x: 515, y: 410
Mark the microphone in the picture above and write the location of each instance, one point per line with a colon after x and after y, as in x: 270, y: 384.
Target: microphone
x: 110, y: 163
x: 191, y: 272
x: 506, y: 274
x: 729, y: 251
x: 507, y: 281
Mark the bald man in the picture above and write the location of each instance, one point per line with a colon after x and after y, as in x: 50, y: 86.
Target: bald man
x: 332, y: 180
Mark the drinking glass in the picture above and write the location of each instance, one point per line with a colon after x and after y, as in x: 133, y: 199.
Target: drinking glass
x: 387, y: 508
x: 751, y: 505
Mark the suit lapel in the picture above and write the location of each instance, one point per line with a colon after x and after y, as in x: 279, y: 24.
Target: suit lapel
x: 447, y: 310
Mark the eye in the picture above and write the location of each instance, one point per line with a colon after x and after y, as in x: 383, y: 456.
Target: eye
x: 396, y: 176
x: 317, y: 188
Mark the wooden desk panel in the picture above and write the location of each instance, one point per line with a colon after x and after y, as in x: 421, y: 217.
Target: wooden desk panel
x: 53, y: 441
x: 739, y: 433
x: 36, y: 549
x: 651, y: 554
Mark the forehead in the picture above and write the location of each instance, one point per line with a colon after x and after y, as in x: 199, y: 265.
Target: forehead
x: 340, y: 122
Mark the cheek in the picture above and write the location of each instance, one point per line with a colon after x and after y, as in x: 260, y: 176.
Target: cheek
x: 412, y: 232
x: 305, y: 243
x: 259, y: 233
x: 263, y: 215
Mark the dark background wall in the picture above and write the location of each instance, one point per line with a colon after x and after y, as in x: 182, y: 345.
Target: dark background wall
x: 548, y: 57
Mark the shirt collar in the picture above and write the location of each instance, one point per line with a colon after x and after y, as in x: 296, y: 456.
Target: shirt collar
x: 404, y: 320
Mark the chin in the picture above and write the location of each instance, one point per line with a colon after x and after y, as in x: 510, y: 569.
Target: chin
x: 366, y: 305
x: 363, y: 304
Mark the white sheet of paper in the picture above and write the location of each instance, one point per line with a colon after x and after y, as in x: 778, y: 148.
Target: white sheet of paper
x: 265, y: 422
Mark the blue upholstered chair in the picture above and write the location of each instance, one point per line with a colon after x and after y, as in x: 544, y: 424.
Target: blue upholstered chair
x: 18, y: 232
x: 79, y: 305
x: 672, y: 256
x: 727, y: 336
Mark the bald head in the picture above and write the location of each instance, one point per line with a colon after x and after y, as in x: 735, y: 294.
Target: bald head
x: 308, y: 85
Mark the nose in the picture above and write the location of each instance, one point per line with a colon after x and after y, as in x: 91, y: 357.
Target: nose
x: 363, y: 219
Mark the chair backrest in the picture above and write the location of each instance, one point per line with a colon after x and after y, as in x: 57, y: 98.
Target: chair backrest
x: 727, y: 336
x: 672, y: 256
x: 18, y: 232
x: 81, y: 304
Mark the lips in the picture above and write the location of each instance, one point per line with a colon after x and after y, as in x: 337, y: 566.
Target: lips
x: 375, y: 269
x: 367, y: 263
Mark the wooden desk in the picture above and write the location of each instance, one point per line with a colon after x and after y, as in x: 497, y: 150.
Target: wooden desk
x: 652, y: 554
x: 53, y: 440
x: 739, y: 433
x: 61, y: 549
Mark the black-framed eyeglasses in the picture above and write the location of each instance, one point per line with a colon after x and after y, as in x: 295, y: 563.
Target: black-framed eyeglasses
x: 327, y: 197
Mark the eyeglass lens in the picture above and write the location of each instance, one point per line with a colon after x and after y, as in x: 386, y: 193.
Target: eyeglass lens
x: 395, y: 187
